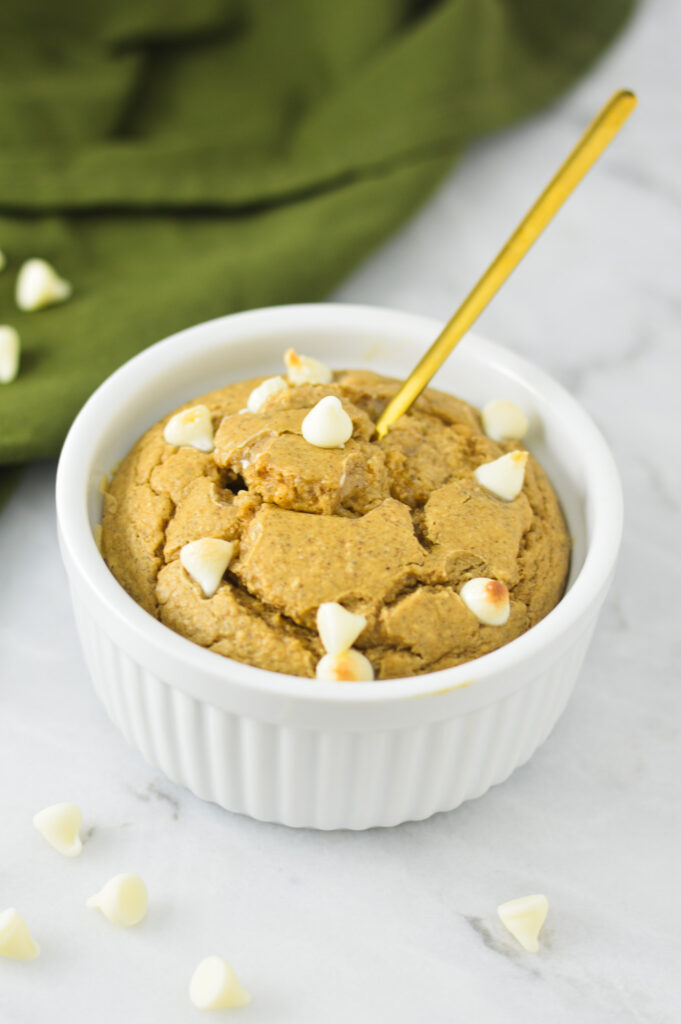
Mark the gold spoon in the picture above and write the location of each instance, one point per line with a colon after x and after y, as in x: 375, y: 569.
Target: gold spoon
x: 597, y: 136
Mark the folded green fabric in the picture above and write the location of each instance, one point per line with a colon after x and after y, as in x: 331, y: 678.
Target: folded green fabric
x: 177, y: 161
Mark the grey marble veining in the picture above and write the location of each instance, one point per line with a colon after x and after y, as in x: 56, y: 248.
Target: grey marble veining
x: 400, y: 924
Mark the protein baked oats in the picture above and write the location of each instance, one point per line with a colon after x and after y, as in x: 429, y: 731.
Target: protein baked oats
x: 262, y: 522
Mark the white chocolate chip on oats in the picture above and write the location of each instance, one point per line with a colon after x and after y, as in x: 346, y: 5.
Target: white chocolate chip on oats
x: 487, y: 599
x: 215, y: 986
x: 305, y: 369
x: 260, y: 396
x: 504, y: 476
x: 504, y: 421
x: 16, y: 941
x: 10, y: 354
x: 524, y: 918
x: 60, y: 825
x: 192, y: 428
x: 337, y: 627
x: 123, y: 900
x: 39, y: 285
x: 327, y: 425
x: 348, y: 667
x: 206, y: 561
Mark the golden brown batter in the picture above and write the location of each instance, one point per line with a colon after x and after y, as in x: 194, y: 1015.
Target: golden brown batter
x: 388, y: 529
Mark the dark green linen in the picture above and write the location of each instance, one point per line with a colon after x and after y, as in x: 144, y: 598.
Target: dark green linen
x: 179, y: 160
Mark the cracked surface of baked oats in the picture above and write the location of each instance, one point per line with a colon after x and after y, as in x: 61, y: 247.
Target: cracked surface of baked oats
x: 389, y: 529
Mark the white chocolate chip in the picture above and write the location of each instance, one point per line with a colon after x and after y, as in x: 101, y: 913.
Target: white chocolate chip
x: 327, y: 425
x: 524, y: 918
x: 206, y: 560
x: 192, y: 428
x: 487, y: 599
x: 60, y: 825
x: 10, y: 353
x: 337, y: 627
x: 123, y: 900
x: 348, y: 667
x: 260, y: 396
x: 39, y: 285
x: 16, y: 940
x: 305, y: 369
x: 504, y: 421
x: 215, y: 986
x: 503, y: 477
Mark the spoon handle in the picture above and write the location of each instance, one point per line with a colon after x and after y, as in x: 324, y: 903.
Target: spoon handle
x: 597, y: 136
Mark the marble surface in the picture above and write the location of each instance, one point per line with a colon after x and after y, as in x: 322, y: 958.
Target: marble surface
x: 400, y: 924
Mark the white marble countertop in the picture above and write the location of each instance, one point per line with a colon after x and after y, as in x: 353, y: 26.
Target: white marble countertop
x: 400, y: 924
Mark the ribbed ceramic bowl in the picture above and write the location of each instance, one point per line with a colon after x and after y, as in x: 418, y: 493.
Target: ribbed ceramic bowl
x: 297, y: 751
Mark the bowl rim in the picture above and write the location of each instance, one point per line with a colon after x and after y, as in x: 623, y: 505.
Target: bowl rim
x: 77, y: 540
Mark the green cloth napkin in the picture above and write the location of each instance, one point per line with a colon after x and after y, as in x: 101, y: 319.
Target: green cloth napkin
x: 179, y: 160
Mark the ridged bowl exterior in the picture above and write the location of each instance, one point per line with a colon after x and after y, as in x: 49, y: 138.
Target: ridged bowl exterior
x: 325, y: 779
x: 302, y: 753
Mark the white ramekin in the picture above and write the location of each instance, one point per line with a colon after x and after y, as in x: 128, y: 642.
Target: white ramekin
x: 297, y: 751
